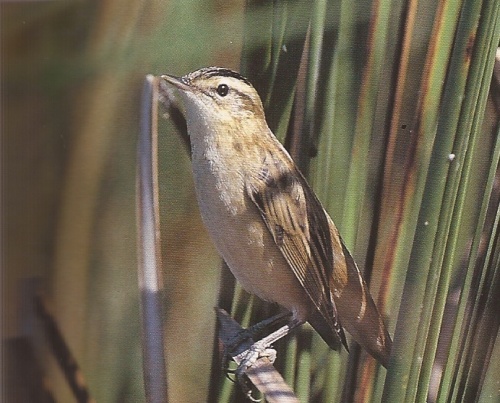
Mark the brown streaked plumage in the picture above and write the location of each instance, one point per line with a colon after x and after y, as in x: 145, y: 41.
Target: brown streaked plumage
x: 264, y: 218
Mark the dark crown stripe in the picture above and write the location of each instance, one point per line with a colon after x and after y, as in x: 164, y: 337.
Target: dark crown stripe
x: 222, y: 72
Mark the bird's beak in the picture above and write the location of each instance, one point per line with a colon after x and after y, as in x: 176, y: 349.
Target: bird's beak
x: 176, y: 82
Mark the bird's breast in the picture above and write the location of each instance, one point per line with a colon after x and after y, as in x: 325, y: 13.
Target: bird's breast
x: 241, y: 236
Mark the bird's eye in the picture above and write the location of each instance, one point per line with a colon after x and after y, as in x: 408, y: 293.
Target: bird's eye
x: 222, y: 90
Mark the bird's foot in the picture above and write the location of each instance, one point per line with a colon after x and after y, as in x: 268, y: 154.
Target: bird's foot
x: 260, y: 349
x: 242, y: 338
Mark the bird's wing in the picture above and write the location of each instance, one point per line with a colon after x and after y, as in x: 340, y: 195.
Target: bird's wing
x: 315, y: 252
x: 360, y: 315
x: 301, y: 230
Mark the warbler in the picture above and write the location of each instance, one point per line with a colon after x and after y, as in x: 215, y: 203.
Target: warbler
x: 264, y: 218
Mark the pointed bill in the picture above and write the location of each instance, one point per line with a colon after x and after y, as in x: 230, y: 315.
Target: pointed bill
x: 177, y: 82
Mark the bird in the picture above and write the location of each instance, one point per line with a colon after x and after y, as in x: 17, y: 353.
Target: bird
x: 265, y: 219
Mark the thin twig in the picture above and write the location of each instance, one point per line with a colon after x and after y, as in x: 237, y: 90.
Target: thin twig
x: 149, y: 254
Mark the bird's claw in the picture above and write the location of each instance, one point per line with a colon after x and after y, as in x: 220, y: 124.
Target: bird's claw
x: 248, y: 359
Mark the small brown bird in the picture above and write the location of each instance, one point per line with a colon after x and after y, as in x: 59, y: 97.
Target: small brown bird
x: 265, y: 219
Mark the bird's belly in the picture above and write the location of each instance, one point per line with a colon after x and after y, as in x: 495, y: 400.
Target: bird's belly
x: 243, y: 240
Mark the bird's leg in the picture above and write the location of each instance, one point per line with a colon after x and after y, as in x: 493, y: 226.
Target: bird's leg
x: 262, y: 348
x: 249, y: 333
x: 254, y: 330
x: 264, y: 324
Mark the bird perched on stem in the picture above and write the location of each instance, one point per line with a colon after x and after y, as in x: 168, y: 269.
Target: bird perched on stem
x: 265, y: 219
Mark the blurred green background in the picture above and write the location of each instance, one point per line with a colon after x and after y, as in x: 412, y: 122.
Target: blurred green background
x: 380, y: 92
x: 72, y: 74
